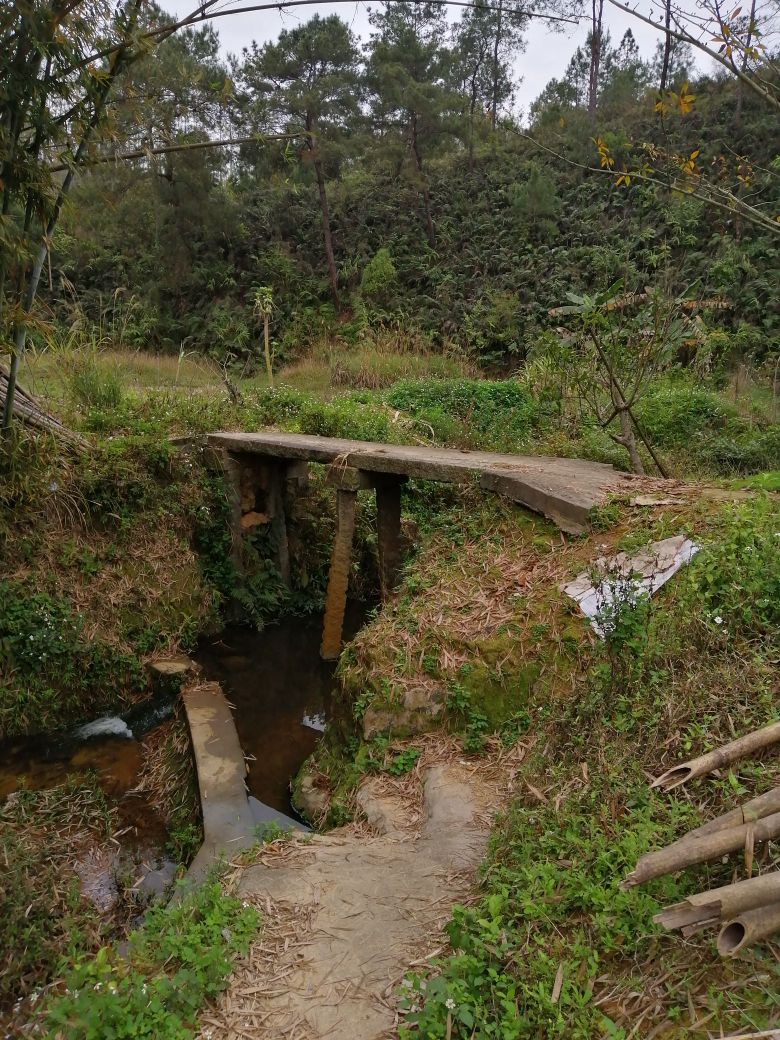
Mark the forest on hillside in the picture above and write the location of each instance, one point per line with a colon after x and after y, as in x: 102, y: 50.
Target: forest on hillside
x: 393, y: 187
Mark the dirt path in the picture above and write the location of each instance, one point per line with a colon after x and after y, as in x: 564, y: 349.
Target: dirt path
x: 346, y: 914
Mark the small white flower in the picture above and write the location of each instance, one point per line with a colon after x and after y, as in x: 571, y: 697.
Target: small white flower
x: 718, y: 619
x: 449, y: 1003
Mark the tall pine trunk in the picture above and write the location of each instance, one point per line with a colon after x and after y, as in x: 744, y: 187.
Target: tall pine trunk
x: 429, y: 228
x: 327, y: 237
x: 496, y: 48
x: 667, y: 46
x: 597, y: 12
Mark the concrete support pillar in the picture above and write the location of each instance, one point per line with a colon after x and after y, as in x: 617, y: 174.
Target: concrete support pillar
x: 388, y: 514
x: 278, y: 519
x: 338, y: 579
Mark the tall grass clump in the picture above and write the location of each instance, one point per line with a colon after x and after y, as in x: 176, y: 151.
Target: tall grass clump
x: 95, y: 385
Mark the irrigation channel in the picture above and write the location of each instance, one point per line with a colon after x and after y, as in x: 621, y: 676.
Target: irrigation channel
x: 280, y: 691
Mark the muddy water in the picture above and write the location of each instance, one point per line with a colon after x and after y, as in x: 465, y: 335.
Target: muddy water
x: 281, y: 691
x: 108, y: 749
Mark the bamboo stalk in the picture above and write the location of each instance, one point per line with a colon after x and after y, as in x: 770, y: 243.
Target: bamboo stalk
x: 26, y: 410
x: 688, y: 851
x: 705, y: 909
x: 724, y: 756
x: 756, y: 809
x: 748, y: 928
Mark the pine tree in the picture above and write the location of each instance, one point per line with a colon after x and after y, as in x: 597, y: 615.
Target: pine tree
x: 406, y: 74
x: 309, y: 81
x: 485, y: 39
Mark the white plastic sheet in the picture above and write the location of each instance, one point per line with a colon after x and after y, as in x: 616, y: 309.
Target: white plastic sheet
x: 624, y: 579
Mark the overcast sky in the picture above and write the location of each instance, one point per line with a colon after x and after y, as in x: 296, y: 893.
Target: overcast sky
x: 546, y: 55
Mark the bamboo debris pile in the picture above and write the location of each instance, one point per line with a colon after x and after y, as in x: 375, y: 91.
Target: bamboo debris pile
x: 27, y: 410
x: 744, y: 912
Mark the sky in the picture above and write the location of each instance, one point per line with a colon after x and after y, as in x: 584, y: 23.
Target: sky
x: 547, y: 53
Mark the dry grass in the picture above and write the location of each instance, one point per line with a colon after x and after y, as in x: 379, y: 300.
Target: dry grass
x: 491, y: 581
x: 154, y: 577
x: 376, y: 363
x: 44, y: 836
x: 45, y: 373
x: 167, y: 774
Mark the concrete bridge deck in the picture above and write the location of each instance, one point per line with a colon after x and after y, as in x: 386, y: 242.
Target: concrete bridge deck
x: 565, y: 490
x: 268, y: 470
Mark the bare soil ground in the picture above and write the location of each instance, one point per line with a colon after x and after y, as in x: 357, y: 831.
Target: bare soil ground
x: 348, y: 913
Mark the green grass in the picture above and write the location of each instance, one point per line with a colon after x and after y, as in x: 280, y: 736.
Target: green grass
x: 398, y: 389
x: 554, y: 947
x: 179, y: 958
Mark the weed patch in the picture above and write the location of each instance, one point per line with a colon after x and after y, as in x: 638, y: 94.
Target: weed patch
x: 49, y: 667
x: 44, y: 917
x: 178, y: 959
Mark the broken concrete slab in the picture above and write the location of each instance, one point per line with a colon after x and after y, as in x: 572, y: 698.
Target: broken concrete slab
x: 228, y: 822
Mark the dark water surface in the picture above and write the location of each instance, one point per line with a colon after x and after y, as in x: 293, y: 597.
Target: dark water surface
x: 108, y: 747
x: 280, y: 691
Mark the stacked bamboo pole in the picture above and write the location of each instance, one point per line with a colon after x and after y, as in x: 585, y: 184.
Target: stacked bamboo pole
x: 746, y: 911
x: 27, y: 411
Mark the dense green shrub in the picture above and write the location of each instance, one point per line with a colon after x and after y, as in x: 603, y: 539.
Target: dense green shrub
x: 491, y: 414
x: 346, y: 417
x: 750, y: 452
x: 674, y: 415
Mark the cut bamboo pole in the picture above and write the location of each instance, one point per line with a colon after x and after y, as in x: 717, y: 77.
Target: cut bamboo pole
x: 756, y: 809
x: 749, y: 927
x: 706, y: 909
x: 724, y: 756
x: 688, y: 851
x: 27, y: 410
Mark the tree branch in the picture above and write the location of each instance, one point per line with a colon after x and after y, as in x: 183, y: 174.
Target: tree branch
x: 732, y: 205
x: 686, y: 37
x: 144, y: 153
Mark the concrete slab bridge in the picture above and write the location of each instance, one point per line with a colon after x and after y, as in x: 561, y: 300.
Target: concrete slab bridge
x: 268, y: 470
